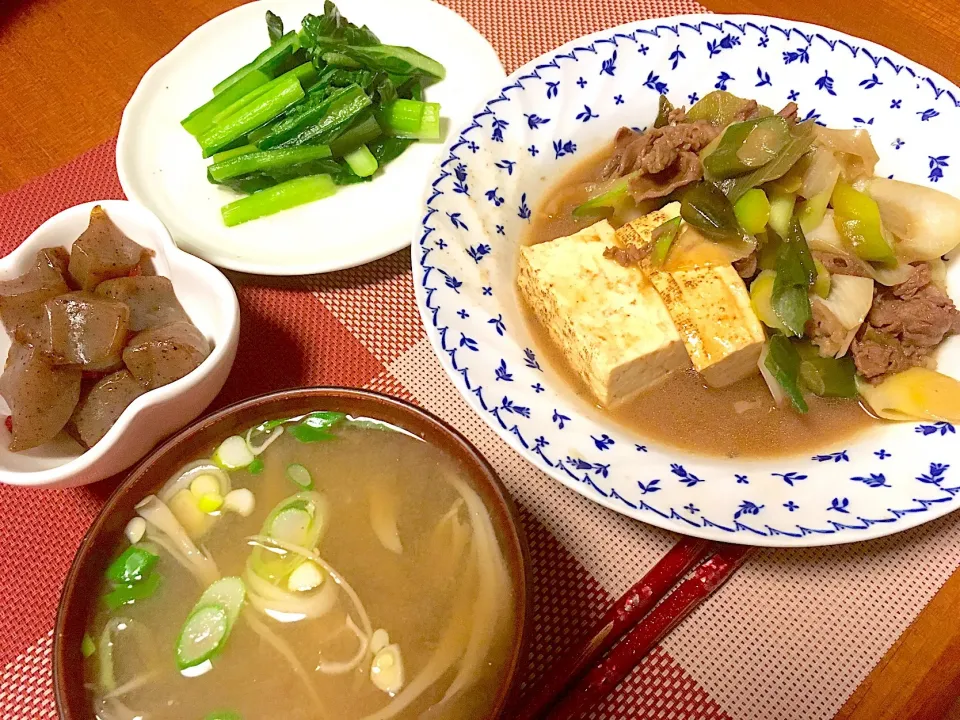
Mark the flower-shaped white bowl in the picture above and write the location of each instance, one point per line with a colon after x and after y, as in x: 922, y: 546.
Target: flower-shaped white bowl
x: 209, y: 300
x: 555, y: 111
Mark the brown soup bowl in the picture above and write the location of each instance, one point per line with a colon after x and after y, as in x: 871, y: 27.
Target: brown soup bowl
x: 84, y: 579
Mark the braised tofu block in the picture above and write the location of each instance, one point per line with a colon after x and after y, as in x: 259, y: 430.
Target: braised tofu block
x: 21, y: 299
x: 41, y: 396
x: 102, y: 252
x: 710, y: 307
x: 607, y: 320
x: 160, y: 355
x: 101, y: 405
x: 86, y: 329
x: 151, y: 300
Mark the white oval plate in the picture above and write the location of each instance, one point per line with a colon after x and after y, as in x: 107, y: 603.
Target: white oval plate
x: 556, y: 110
x: 160, y: 166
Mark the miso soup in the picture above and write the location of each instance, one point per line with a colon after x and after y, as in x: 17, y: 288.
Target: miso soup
x: 312, y: 568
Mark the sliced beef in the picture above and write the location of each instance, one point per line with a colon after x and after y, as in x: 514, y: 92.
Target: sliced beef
x: 750, y: 110
x: 905, y: 325
x: 627, y: 256
x: 664, y: 158
x: 746, y: 267
x: 789, y: 112
x: 838, y: 264
x: 825, y: 331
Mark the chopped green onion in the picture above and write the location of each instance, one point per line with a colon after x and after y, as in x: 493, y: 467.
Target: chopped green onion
x: 203, y: 636
x: 130, y: 593
x: 783, y: 362
x: 262, y: 110
x: 719, y: 108
x: 266, y: 62
x: 663, y: 237
x: 210, y: 503
x: 857, y: 217
x: 228, y: 592
x: 664, y: 108
x: 204, y: 116
x: 255, y: 467
x: 781, y: 211
x: 209, y: 624
x: 362, y: 161
x: 300, y: 476
x: 133, y: 566
x: 88, y: 647
x: 821, y: 286
x: 614, y: 197
x: 753, y: 211
x: 316, y: 426
x: 284, y: 196
x: 223, y: 715
x: 232, y: 454
x: 265, y: 161
x: 811, y: 211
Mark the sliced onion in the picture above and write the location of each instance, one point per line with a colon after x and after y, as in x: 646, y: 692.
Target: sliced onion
x: 856, y: 154
x: 383, y: 516
x: 267, y: 597
x: 692, y: 250
x: 821, y: 174
x: 938, y: 273
x: 826, y: 238
x: 287, y: 654
x: 188, y: 473
x: 334, y: 667
x: 775, y: 390
x: 925, y: 221
x: 146, y: 647
x: 170, y: 535
x: 914, y: 394
x: 492, y: 592
x: 271, y: 437
x: 849, y: 301
x: 891, y: 276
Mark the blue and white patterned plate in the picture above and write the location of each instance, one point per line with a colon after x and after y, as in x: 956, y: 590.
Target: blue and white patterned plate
x: 553, y: 112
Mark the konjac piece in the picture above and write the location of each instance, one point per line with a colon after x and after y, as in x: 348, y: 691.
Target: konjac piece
x: 102, y: 252
x: 86, y: 329
x: 41, y: 397
x: 163, y: 354
x: 152, y: 300
x: 101, y: 405
x: 21, y: 299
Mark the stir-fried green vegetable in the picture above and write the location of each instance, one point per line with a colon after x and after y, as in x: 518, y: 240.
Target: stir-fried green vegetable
x: 709, y: 211
x: 827, y: 376
x: 796, y: 272
x: 720, y: 108
x: 801, y: 138
x: 664, y: 109
x: 330, y: 84
x: 746, y: 146
x: 783, y: 362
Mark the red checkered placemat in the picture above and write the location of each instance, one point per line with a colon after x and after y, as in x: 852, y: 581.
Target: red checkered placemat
x: 790, y: 636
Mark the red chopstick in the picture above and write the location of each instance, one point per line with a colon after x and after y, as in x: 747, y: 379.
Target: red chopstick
x: 621, y: 616
x: 651, y: 630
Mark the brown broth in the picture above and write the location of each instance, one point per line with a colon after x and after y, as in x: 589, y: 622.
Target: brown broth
x: 402, y: 593
x: 682, y: 411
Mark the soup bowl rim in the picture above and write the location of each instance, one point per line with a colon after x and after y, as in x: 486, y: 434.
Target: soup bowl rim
x: 70, y: 697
